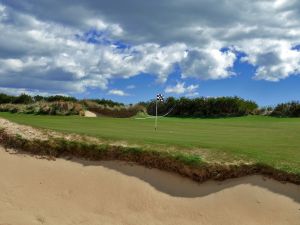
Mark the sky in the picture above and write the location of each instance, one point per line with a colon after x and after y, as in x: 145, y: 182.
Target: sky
x: 129, y: 51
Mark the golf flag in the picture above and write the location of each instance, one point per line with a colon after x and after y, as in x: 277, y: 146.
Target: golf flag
x: 160, y: 97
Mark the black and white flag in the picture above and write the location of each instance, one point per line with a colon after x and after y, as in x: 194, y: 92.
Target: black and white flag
x: 160, y: 97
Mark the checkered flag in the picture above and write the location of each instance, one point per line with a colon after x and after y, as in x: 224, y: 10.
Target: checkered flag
x: 160, y: 97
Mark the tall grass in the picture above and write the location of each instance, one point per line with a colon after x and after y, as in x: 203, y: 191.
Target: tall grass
x: 119, y: 111
x: 44, y: 108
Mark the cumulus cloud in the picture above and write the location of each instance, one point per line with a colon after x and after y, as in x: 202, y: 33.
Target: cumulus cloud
x: 181, y: 88
x: 276, y: 60
x: 68, y: 46
x: 49, y: 52
x: 117, y: 92
x: 208, y: 64
x: 19, y: 91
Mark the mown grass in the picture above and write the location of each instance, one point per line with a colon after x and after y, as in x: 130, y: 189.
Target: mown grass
x: 271, y: 141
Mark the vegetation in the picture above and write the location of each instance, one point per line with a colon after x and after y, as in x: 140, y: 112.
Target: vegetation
x: 267, y: 140
x: 182, y: 107
x: 27, y: 99
x: 64, y: 105
x: 106, y: 102
x: 204, y: 107
x: 186, y: 164
x: 53, y: 108
x: 56, y: 147
x: 56, y: 98
x: 290, y: 109
x: 120, y: 111
x: 23, y: 99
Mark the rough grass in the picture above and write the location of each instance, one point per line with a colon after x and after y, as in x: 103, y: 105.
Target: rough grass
x: 270, y: 141
x: 187, y: 165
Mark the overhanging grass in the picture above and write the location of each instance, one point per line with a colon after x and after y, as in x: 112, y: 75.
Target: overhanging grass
x: 271, y: 141
x: 184, y: 164
x: 57, y: 147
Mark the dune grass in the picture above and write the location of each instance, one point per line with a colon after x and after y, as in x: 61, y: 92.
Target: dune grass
x: 259, y: 139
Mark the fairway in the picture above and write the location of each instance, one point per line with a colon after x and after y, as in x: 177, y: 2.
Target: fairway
x: 273, y: 141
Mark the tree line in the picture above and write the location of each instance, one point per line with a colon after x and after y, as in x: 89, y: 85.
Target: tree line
x: 181, y: 107
x: 202, y: 107
x: 27, y: 99
x: 290, y: 109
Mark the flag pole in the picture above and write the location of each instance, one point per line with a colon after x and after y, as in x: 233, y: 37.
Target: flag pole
x: 156, y: 115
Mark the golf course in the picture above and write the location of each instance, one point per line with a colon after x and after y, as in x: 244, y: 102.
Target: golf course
x: 252, y: 139
x: 88, y: 164
x: 149, y: 112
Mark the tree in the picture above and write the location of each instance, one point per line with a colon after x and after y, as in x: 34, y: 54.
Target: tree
x: 4, y: 98
x: 23, y: 99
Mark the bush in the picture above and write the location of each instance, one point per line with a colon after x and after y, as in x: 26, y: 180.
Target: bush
x: 23, y: 99
x: 57, y: 98
x: 264, y: 111
x: 6, y: 98
x: 114, y: 111
x: 204, y: 107
x: 290, y: 109
x: 105, y: 102
x: 53, y: 108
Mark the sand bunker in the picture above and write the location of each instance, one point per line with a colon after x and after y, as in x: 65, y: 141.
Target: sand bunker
x: 90, y: 114
x: 37, y: 191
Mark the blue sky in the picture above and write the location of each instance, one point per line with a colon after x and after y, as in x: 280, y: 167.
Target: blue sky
x: 265, y: 93
x: 130, y: 51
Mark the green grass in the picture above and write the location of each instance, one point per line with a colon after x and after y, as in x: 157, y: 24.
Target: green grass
x: 272, y: 141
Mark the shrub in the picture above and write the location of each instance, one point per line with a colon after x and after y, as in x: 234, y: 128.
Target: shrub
x: 57, y: 98
x: 204, y: 107
x: 23, y: 99
x: 6, y: 98
x: 290, y: 109
x: 114, y: 111
x: 106, y: 102
x: 53, y: 108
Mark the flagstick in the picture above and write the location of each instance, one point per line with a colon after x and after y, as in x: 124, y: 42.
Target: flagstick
x: 156, y: 117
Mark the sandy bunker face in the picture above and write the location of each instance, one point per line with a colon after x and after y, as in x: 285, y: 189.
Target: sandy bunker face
x: 35, y: 191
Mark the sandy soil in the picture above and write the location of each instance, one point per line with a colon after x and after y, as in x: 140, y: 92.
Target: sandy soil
x: 30, y: 133
x: 25, y: 131
x: 37, y: 191
x: 89, y: 114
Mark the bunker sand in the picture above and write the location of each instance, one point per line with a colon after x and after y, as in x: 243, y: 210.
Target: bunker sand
x: 89, y: 114
x: 38, y: 191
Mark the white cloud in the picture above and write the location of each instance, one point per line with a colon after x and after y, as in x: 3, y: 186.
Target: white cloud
x: 181, y: 88
x: 19, y: 91
x: 193, y: 94
x: 276, y: 60
x: 208, y: 64
x: 44, y: 44
x: 117, y: 92
x: 48, y: 52
x: 113, y: 29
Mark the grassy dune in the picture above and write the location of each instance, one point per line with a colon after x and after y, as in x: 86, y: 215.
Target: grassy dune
x: 272, y: 141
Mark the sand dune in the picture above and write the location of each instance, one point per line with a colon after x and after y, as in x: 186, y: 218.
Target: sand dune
x: 37, y: 191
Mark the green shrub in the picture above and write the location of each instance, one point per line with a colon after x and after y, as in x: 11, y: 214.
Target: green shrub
x: 6, y: 98
x: 204, y: 107
x: 23, y: 99
x: 114, y: 111
x: 106, y: 102
x: 53, y: 108
x: 290, y: 109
